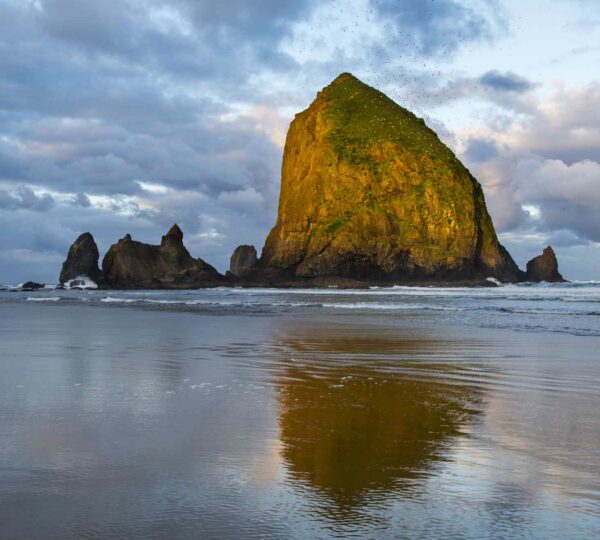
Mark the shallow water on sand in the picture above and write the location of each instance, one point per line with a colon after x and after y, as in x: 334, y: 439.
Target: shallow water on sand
x: 263, y: 414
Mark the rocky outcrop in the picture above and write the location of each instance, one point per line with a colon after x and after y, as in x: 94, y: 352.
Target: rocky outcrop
x: 243, y: 261
x: 544, y: 267
x: 369, y: 195
x: 32, y: 286
x: 369, y: 192
x: 82, y: 260
x: 132, y: 264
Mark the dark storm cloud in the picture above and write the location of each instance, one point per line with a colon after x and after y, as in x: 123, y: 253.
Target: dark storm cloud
x: 581, y: 218
x: 509, y: 91
x: 564, y: 238
x: 81, y: 199
x: 481, y: 149
x: 439, y: 27
x: 25, y: 198
x: 11, y: 165
x: 505, y: 82
x: 197, y: 40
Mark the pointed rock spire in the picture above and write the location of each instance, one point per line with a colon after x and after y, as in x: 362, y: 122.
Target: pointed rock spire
x: 82, y: 260
x: 544, y: 267
x: 168, y: 265
x: 175, y: 234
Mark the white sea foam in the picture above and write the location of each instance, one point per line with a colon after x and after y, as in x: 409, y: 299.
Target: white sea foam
x: 231, y: 303
x: 43, y: 299
x: 115, y: 299
x: 195, y: 302
x: 389, y: 307
x: 82, y: 282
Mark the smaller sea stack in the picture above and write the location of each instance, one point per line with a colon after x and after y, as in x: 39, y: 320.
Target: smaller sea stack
x: 82, y: 260
x: 135, y: 265
x: 544, y: 267
x: 243, y: 260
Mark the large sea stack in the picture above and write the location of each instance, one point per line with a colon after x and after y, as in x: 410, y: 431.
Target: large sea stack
x: 132, y: 264
x: 369, y: 192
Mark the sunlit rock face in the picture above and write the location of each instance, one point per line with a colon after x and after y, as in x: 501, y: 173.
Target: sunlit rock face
x: 368, y: 191
x: 352, y: 430
x: 132, y: 264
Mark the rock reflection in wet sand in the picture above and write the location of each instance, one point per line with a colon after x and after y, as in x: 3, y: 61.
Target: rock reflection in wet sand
x: 143, y: 424
x: 353, y: 433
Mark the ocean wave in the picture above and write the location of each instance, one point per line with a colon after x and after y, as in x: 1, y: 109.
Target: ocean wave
x: 390, y: 307
x: 511, y: 306
x: 246, y: 303
x: 202, y: 302
x: 542, y: 311
x: 82, y: 281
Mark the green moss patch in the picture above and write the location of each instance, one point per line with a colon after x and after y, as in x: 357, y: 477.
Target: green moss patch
x: 338, y: 222
x: 361, y: 116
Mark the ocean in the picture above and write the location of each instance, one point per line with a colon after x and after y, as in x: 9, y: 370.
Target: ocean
x: 318, y: 413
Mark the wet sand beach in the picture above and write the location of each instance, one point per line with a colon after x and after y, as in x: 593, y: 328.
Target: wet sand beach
x: 256, y: 414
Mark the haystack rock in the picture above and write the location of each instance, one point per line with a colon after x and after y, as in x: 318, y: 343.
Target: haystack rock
x: 369, y: 192
x: 243, y: 260
x: 544, y: 267
x: 82, y: 260
x: 132, y: 264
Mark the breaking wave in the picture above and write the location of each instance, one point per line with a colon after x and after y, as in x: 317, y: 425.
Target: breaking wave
x: 572, y: 307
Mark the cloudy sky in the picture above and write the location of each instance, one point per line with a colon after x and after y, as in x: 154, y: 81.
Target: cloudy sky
x: 124, y: 116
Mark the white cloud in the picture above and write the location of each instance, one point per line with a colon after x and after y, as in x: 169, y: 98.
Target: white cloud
x: 271, y: 123
x: 545, y: 171
x: 152, y: 187
x: 248, y: 197
x: 544, y: 179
